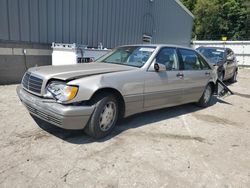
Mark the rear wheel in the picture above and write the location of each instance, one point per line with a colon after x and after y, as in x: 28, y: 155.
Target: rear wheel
x: 221, y: 76
x: 206, y: 97
x: 234, y: 77
x: 104, y: 117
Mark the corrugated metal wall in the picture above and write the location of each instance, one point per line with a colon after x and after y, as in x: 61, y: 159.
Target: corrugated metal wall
x: 112, y: 22
x: 172, y: 24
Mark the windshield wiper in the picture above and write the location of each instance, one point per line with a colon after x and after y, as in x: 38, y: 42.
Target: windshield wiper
x: 120, y: 64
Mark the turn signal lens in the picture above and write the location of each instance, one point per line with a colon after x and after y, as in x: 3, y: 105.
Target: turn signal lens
x: 71, y: 92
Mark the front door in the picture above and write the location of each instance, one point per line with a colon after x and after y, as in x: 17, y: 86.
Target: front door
x: 164, y: 88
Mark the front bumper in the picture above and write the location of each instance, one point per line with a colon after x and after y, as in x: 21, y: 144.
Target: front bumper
x: 64, y: 116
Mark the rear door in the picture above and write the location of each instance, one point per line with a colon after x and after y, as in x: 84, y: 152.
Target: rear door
x: 196, y: 74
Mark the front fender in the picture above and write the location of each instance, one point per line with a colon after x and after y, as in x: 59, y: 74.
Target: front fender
x: 128, y: 83
x: 88, y: 86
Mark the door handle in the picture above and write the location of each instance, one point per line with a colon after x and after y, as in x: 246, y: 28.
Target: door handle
x: 207, y: 73
x: 180, y: 75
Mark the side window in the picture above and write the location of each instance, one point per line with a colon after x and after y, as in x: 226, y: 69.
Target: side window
x: 230, y: 54
x: 190, y: 60
x: 204, y: 64
x: 168, y: 57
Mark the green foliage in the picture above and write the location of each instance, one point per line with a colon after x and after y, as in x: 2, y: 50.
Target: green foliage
x: 190, y: 4
x: 217, y: 18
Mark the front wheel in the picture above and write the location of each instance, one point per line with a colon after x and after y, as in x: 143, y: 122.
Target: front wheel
x: 206, y: 97
x: 104, y: 117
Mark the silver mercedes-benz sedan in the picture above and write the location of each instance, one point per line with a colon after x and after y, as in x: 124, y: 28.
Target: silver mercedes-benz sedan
x: 126, y: 81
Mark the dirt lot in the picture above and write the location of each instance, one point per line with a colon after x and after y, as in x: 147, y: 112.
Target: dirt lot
x: 183, y: 146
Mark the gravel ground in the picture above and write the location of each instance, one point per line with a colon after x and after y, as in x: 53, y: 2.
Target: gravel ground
x: 183, y: 146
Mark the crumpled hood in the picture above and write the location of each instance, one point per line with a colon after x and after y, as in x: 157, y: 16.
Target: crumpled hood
x: 70, y: 72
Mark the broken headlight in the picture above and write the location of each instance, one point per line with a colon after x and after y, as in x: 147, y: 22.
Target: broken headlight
x: 61, y: 91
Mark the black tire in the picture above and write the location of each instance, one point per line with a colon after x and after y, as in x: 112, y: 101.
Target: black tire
x: 204, y: 101
x: 233, y: 79
x: 221, y: 75
x: 94, y: 128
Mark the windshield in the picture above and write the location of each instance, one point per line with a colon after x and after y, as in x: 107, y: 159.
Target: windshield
x: 210, y: 53
x: 135, y: 56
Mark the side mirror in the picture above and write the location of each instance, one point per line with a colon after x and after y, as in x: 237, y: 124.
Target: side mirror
x: 230, y: 58
x: 159, y: 67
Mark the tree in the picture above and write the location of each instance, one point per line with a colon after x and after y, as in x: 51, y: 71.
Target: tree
x: 247, y: 22
x: 233, y: 16
x: 217, y: 18
x: 207, y: 22
x: 190, y: 4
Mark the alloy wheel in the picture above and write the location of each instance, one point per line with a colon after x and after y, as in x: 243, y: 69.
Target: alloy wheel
x: 107, y: 116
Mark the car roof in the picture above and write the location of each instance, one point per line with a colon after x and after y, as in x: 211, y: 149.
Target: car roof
x: 212, y: 47
x: 159, y: 45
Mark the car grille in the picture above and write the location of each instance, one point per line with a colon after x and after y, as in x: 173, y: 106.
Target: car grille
x: 44, y: 115
x: 32, y: 83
